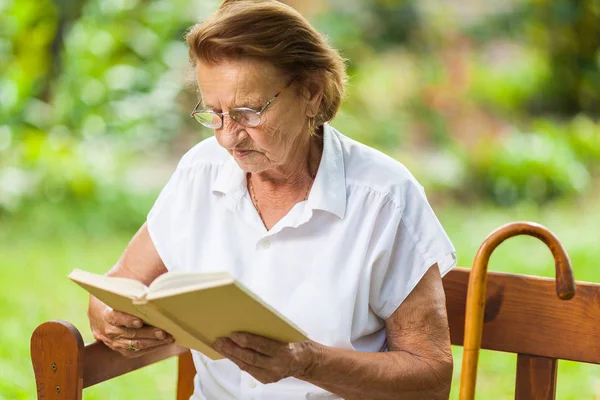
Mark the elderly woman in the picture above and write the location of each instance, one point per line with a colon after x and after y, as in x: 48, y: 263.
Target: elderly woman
x: 335, y: 235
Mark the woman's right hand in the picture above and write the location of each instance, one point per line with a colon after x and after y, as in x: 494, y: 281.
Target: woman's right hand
x: 123, y: 332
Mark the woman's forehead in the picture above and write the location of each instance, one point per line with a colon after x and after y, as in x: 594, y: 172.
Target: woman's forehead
x: 235, y: 80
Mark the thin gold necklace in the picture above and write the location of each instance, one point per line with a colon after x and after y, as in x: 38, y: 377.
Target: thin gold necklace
x: 255, y: 202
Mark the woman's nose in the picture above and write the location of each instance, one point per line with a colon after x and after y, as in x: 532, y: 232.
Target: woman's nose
x: 231, y: 133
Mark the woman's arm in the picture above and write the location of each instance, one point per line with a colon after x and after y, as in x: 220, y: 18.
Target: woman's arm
x: 417, y: 366
x: 118, y: 330
x: 140, y: 260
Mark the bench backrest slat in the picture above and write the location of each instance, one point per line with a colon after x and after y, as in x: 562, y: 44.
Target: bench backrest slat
x: 536, y: 378
x: 524, y: 315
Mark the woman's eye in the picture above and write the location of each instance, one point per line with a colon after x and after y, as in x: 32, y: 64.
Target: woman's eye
x: 239, y: 116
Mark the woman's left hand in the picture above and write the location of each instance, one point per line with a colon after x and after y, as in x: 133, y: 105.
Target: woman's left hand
x: 268, y: 360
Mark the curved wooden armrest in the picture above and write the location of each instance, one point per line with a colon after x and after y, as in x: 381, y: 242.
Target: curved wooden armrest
x: 64, y: 366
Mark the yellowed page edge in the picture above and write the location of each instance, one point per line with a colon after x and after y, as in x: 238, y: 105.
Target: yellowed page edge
x: 110, y: 284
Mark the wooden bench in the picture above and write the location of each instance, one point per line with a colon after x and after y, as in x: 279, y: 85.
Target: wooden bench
x: 522, y: 315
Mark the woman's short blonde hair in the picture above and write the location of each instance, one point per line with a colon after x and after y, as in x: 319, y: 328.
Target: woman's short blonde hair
x: 270, y: 31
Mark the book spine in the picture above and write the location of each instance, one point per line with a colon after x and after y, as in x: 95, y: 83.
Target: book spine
x: 141, y: 300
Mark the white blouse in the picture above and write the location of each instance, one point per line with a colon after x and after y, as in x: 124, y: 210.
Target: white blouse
x: 337, y: 265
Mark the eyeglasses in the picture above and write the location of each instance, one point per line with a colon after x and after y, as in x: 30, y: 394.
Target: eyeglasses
x: 242, y: 115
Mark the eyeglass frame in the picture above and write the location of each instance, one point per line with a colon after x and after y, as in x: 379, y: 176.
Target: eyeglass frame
x: 223, y: 113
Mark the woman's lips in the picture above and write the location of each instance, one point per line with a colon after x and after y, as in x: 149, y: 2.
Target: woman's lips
x: 241, y: 153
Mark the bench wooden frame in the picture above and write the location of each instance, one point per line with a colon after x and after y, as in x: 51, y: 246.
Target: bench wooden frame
x: 523, y: 315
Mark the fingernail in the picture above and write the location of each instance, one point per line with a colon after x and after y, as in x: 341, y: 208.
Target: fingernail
x: 137, y: 323
x: 218, y: 344
x: 160, y: 334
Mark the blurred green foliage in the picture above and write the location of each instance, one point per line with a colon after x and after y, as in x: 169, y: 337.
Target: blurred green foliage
x: 497, y: 102
x: 88, y: 89
x: 569, y: 33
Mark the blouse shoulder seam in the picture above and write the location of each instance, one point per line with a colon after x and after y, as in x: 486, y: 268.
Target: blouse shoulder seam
x: 418, y: 245
x: 387, y: 194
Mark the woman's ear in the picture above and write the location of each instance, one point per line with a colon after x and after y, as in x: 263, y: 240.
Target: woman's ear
x: 314, y: 95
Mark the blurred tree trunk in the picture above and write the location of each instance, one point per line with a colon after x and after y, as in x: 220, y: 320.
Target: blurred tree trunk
x: 69, y: 11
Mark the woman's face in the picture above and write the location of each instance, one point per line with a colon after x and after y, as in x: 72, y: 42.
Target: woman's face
x: 276, y: 143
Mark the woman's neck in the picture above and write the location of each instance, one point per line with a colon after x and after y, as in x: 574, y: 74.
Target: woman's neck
x: 274, y: 195
x: 289, y: 180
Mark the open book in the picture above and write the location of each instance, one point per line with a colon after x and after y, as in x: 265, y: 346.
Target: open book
x: 195, y: 308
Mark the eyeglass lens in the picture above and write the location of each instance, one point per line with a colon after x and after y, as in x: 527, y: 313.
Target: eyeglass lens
x: 246, y: 118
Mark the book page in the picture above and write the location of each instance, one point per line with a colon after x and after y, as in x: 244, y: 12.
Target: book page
x: 122, y: 286
x: 178, y: 282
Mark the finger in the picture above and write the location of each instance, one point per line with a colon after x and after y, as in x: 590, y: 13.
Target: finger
x: 133, y: 354
x: 97, y: 334
x: 128, y: 352
x: 140, y: 344
x: 118, y: 318
x: 246, y: 355
x: 261, y: 375
x: 259, y: 343
x: 146, y: 332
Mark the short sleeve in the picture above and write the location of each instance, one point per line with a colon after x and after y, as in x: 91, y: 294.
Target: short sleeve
x: 411, y: 241
x: 165, y: 219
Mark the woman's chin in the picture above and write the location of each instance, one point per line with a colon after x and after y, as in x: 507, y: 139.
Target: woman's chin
x: 247, y: 165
